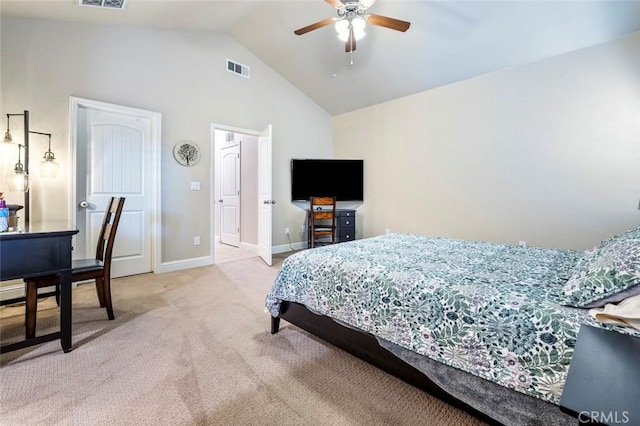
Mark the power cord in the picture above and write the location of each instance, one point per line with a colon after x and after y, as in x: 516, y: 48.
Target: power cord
x: 289, y: 238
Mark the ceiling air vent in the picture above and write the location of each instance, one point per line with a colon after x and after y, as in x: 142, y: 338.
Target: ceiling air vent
x: 108, y: 4
x: 237, y: 68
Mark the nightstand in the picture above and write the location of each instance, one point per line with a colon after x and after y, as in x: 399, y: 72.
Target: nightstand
x: 603, y: 383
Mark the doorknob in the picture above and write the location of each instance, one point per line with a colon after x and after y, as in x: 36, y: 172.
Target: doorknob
x: 220, y: 201
x: 273, y: 201
x: 84, y: 204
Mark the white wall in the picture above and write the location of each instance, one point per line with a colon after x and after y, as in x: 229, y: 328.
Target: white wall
x: 548, y: 153
x: 180, y: 74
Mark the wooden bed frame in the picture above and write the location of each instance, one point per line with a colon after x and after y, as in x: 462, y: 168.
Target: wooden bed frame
x: 366, y: 347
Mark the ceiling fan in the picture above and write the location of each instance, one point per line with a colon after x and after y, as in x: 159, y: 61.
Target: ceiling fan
x: 351, y: 21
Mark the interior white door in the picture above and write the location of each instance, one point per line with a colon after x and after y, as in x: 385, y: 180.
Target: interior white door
x: 230, y: 195
x: 113, y: 158
x: 265, y: 200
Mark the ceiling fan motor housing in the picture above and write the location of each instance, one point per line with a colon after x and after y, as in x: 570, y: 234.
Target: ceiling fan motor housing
x: 351, y: 9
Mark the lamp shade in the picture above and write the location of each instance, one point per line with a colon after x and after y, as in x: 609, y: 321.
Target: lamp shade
x: 7, y: 137
x: 49, y: 168
x: 18, y: 181
x: 344, y: 25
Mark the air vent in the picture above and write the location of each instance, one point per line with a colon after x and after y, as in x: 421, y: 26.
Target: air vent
x: 108, y: 4
x: 237, y: 68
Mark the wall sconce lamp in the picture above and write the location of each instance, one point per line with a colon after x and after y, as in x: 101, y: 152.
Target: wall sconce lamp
x: 48, y: 166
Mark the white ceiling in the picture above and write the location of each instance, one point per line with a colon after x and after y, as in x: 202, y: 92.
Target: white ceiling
x: 448, y: 40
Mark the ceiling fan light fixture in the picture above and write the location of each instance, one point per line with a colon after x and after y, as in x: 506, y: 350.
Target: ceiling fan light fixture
x: 358, y: 24
x: 358, y: 28
x: 342, y: 28
x: 344, y: 25
x: 351, y: 21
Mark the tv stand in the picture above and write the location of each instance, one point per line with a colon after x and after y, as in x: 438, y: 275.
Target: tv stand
x: 345, y: 226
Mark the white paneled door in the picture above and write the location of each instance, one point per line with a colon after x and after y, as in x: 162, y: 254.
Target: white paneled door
x: 230, y: 195
x: 113, y: 158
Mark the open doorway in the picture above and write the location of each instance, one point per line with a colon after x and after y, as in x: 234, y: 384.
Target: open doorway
x: 235, y: 179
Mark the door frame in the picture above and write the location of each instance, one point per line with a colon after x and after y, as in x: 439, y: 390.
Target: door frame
x: 212, y: 177
x: 75, y: 103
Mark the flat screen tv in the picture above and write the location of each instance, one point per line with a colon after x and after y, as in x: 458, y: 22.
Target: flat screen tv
x: 326, y: 178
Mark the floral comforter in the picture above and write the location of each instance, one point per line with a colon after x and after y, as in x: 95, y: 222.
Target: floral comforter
x: 488, y: 309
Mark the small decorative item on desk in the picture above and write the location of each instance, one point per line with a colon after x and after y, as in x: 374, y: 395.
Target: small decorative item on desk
x: 4, y: 215
x: 13, y: 216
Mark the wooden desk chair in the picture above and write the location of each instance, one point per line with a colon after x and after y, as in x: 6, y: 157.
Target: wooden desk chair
x: 98, y: 269
x: 322, y: 219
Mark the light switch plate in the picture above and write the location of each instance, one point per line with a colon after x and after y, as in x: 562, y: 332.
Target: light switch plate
x: 195, y: 186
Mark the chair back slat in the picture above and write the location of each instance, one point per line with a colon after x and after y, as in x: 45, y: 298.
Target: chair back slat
x: 108, y: 230
x: 322, y: 218
x: 322, y: 201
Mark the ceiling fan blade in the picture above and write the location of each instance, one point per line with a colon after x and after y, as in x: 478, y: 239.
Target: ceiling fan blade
x: 385, y: 21
x: 315, y: 26
x: 350, y: 45
x: 335, y: 3
x: 367, y: 3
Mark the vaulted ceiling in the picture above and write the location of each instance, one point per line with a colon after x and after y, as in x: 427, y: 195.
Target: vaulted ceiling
x: 448, y: 40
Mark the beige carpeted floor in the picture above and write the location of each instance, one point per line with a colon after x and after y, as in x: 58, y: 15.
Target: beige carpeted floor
x: 194, y: 348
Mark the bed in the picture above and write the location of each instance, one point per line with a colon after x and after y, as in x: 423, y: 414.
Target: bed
x: 488, y: 327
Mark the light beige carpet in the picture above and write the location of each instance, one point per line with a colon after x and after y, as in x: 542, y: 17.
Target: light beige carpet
x: 194, y: 348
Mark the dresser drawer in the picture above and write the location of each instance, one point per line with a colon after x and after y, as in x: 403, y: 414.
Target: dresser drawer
x: 347, y: 222
x: 347, y: 235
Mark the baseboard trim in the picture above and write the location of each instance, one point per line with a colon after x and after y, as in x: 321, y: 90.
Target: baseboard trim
x: 284, y: 248
x: 252, y: 248
x: 12, y: 291
x: 180, y: 265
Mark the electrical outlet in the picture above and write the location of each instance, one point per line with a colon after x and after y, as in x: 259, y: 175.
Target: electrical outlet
x: 522, y: 243
x: 195, y: 186
x: 286, y: 231
x: 387, y: 231
x: 196, y: 241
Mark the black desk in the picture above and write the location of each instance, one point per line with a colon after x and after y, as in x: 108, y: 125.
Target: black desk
x: 42, y: 249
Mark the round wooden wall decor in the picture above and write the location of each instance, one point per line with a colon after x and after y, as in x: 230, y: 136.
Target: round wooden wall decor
x: 186, y: 153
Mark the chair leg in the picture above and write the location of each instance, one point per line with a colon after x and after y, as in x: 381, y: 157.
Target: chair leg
x: 100, y: 291
x: 31, y: 308
x: 106, y: 287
